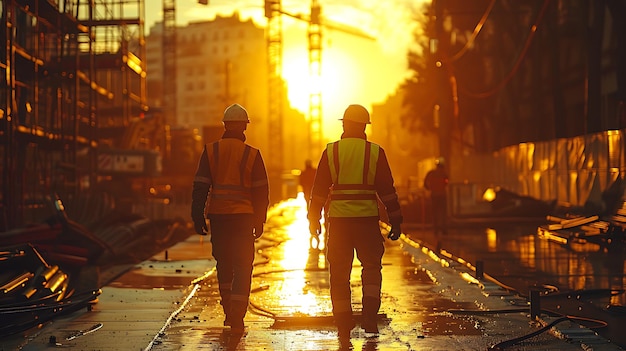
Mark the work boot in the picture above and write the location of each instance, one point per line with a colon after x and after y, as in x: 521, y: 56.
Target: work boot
x: 345, y: 324
x: 226, y: 308
x: 370, y: 314
x: 370, y: 326
x: 235, y: 316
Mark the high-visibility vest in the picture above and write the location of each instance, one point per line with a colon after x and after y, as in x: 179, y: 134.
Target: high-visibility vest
x: 230, y: 161
x: 352, y: 163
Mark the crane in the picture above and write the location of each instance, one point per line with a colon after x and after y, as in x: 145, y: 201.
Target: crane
x: 276, y: 88
x: 273, y: 12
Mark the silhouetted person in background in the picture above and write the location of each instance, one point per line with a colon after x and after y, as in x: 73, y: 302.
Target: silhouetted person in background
x: 232, y: 174
x: 436, y: 182
x: 352, y: 175
x: 307, y: 176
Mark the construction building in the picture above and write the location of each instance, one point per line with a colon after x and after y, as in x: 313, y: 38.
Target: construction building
x: 75, y: 117
x: 73, y: 111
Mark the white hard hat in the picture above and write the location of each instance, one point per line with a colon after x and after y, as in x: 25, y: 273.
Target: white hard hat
x: 235, y: 113
x: 357, y: 113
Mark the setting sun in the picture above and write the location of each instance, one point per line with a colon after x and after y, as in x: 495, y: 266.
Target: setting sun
x: 347, y: 75
x: 337, y: 85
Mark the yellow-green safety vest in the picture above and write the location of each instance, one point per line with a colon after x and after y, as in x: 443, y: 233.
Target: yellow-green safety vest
x: 352, y: 163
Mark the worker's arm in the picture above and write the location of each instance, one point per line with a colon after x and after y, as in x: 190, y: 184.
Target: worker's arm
x: 427, y: 180
x: 320, y: 190
x: 201, y: 185
x: 386, y: 190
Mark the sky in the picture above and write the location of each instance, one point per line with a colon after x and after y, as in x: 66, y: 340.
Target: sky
x: 354, y: 69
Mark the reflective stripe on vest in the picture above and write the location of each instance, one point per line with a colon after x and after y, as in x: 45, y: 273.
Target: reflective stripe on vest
x: 230, y: 161
x: 352, y: 164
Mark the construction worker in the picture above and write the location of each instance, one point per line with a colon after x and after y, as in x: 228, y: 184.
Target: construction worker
x: 233, y: 176
x: 436, y: 181
x: 353, y: 174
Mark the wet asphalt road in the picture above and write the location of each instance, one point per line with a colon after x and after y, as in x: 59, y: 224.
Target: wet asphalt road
x: 583, y: 280
x: 429, y: 302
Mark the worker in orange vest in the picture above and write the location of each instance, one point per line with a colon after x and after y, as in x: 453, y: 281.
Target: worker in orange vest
x: 232, y: 175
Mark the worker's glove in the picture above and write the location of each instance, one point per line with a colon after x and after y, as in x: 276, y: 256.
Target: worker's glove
x: 199, y: 224
x: 258, y: 230
x: 315, y: 228
x: 394, y: 232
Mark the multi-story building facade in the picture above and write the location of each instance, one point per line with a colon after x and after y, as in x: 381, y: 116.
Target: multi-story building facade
x: 218, y: 62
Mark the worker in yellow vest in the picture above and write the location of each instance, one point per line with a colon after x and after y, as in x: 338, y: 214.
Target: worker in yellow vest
x: 353, y: 174
x: 233, y: 176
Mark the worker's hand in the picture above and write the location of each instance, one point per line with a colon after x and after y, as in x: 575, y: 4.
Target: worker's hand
x: 394, y: 232
x: 315, y: 228
x: 258, y: 230
x: 200, y: 226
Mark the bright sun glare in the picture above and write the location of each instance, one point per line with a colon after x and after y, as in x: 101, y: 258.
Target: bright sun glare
x: 333, y: 85
x: 342, y: 76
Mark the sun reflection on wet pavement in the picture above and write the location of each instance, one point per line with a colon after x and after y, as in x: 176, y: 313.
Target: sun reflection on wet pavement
x: 290, y: 307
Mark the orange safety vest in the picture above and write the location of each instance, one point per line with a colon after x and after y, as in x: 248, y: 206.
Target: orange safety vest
x: 230, y: 162
x: 352, y: 163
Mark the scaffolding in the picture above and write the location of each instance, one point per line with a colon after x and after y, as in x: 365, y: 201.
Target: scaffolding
x: 71, y: 69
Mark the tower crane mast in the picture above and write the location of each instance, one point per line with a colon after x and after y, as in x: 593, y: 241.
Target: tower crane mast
x: 273, y: 11
x: 315, y: 72
x: 169, y: 60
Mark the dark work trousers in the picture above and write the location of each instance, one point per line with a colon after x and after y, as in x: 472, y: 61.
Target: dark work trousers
x: 440, y: 214
x: 347, y: 235
x: 233, y: 249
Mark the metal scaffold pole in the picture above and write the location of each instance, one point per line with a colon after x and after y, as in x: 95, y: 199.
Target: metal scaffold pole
x: 315, y: 72
x: 273, y: 10
x: 169, y: 61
